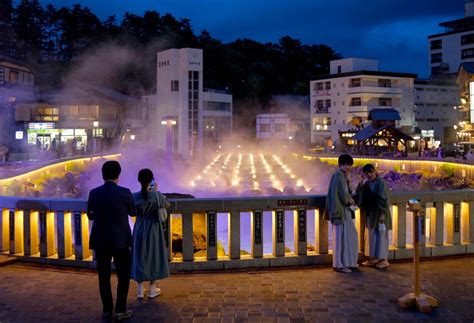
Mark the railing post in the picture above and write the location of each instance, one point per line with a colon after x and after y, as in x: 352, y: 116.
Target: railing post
x: 46, y: 219
x: 166, y: 225
x: 30, y: 230
x: 452, y: 213
x: 234, y: 234
x: 188, y: 237
x: 300, y: 234
x: 360, y: 227
x: 278, y: 232
x: 4, y: 230
x: 64, y: 234
x: 399, y: 213
x: 81, y: 236
x: 211, y: 240
x: 257, y: 233
x: 321, y: 233
x: 16, y: 231
x: 469, y: 234
x: 437, y: 224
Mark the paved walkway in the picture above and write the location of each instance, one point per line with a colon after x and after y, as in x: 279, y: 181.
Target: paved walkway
x: 47, y: 294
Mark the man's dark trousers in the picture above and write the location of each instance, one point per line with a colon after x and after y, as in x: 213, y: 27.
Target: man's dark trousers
x: 122, y: 261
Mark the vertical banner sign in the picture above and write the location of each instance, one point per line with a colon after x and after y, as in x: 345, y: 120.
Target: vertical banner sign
x: 457, y: 218
x: 422, y: 219
x: 165, y: 225
x: 12, y: 225
x: 42, y: 225
x: 77, y: 229
x: 257, y: 224
x: 279, y: 222
x: 211, y: 222
x: 301, y: 225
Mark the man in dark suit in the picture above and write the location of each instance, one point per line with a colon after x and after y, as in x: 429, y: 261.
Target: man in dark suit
x: 109, y: 206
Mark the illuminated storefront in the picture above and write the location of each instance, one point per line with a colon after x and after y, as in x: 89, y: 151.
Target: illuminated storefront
x: 42, y: 135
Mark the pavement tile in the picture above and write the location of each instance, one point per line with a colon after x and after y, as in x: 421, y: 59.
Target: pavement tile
x: 288, y: 295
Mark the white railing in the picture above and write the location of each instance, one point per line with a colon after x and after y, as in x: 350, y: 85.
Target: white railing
x: 56, y: 231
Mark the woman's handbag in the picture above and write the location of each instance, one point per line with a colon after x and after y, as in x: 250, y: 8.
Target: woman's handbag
x: 162, y: 213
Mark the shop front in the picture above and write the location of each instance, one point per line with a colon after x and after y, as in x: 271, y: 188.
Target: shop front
x: 46, y: 137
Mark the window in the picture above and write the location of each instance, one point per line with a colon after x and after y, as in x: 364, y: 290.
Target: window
x: 327, y: 85
x: 385, y: 83
x: 354, y: 82
x: 339, y: 69
x: 174, y: 86
x: 467, y: 39
x: 319, y: 86
x: 328, y: 103
x: 356, y: 102
x: 385, y: 102
x: 467, y: 53
x: 436, y: 58
x: 437, y: 44
x: 2, y: 75
x: 13, y: 77
x: 320, y: 104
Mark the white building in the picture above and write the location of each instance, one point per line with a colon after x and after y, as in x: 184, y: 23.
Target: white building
x: 188, y: 117
x: 436, y: 109
x: 455, y: 45
x: 273, y: 126
x: 342, y: 100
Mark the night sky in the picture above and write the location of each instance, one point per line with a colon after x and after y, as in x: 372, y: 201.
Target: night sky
x: 392, y: 31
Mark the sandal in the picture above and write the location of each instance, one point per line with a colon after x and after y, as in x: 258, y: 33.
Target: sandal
x: 370, y: 263
x: 382, y: 264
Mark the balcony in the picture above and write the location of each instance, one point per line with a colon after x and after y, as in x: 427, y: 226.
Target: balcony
x: 374, y: 89
x: 366, y: 108
x: 321, y: 93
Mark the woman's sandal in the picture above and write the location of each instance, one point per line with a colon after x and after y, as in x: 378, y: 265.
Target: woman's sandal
x: 370, y: 263
x: 382, y: 264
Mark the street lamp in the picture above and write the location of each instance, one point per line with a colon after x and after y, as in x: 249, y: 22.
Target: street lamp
x: 169, y: 122
x: 95, y: 124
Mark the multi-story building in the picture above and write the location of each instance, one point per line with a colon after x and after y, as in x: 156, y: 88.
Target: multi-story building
x: 455, y: 45
x: 16, y: 85
x: 188, y: 118
x: 341, y: 101
x: 465, y: 81
x: 436, y: 110
x: 81, y: 118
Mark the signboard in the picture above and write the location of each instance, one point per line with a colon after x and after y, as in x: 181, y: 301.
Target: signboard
x: 457, y: 218
x: 40, y: 125
x: 427, y: 133
x: 292, y: 202
x: 77, y: 229
x: 257, y: 227
x: 42, y: 225
x: 302, y: 225
x: 279, y: 225
x: 12, y: 225
x: 18, y: 134
x: 211, y: 225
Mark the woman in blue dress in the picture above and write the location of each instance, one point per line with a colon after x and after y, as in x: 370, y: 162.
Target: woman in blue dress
x: 149, y: 255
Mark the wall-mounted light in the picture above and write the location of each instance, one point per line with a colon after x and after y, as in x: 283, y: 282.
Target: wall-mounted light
x: 95, y: 124
x: 132, y: 137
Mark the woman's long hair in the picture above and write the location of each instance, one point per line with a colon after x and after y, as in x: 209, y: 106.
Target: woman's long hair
x: 145, y: 176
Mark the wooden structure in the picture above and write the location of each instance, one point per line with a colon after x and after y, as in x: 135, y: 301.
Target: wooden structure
x: 381, y: 136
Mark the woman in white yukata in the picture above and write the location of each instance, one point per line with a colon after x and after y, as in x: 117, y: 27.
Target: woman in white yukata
x: 374, y: 200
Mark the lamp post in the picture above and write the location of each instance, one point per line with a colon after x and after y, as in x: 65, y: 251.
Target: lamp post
x: 169, y: 122
x: 94, y: 136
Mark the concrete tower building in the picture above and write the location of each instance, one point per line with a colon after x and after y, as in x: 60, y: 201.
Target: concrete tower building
x: 189, y: 118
